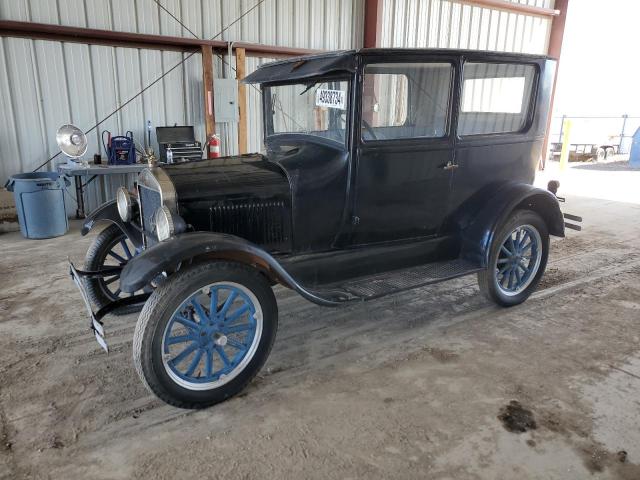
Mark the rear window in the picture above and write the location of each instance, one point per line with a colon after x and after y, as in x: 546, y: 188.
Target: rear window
x: 496, y: 98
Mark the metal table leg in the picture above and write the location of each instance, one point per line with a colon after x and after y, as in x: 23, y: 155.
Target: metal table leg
x: 79, y: 196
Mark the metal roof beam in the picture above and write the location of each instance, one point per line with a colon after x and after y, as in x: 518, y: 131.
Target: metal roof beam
x: 512, y: 7
x: 92, y: 36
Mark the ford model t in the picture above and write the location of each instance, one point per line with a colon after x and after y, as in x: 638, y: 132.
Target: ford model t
x: 384, y: 170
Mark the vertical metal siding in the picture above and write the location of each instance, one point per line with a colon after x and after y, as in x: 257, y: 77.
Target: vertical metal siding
x: 44, y: 84
x: 449, y: 24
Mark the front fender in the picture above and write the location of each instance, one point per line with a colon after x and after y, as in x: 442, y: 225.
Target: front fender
x: 167, y: 256
x: 109, y: 212
x: 478, y: 235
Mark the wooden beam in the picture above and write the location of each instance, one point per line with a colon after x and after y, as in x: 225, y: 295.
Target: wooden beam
x: 512, y: 7
x: 207, y: 88
x: 241, y: 68
x: 554, y: 50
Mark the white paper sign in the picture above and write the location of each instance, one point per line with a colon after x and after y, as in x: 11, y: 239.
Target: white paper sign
x: 331, y: 98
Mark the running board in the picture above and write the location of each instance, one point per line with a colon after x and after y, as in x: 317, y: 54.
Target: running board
x: 379, y: 285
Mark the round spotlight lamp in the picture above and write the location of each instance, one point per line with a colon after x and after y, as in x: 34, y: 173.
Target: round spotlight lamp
x: 72, y: 141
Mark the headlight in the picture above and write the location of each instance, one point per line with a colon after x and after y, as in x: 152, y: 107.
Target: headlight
x: 125, y: 204
x: 164, y: 223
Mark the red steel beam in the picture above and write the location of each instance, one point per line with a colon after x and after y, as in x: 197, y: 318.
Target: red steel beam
x: 372, y: 23
x: 513, y: 7
x: 554, y: 50
x: 92, y: 36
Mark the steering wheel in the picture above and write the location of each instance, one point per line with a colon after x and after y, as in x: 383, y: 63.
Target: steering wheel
x: 369, y: 129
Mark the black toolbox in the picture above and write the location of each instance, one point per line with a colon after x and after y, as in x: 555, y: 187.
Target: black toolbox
x: 182, y: 142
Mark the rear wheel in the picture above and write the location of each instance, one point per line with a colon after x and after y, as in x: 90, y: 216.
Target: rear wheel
x: 110, y: 248
x: 205, y: 333
x: 518, y: 259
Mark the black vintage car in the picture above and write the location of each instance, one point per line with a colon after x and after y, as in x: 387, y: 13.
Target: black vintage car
x: 384, y: 170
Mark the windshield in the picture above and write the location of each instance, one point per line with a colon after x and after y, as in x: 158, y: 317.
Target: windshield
x: 315, y: 108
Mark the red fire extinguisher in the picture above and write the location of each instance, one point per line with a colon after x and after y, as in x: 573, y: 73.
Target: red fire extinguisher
x: 213, y: 147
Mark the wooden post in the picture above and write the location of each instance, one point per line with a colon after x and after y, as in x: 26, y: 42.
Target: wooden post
x: 207, y: 87
x: 242, y: 100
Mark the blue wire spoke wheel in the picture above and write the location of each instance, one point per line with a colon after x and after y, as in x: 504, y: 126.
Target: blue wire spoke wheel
x: 518, y: 260
x: 212, y: 336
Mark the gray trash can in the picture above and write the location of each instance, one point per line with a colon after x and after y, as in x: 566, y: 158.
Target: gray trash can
x: 39, y: 198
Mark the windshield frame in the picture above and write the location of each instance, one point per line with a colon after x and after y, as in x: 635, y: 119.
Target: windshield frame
x: 267, y: 115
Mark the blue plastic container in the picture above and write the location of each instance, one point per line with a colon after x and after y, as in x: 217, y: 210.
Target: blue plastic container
x: 634, y: 154
x: 39, y: 198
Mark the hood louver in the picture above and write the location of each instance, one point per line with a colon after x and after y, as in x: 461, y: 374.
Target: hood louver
x: 262, y: 222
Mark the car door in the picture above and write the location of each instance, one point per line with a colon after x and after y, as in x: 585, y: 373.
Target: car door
x: 404, y: 152
x: 499, y: 139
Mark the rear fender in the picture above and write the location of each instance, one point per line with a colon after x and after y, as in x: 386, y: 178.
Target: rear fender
x: 109, y: 212
x: 167, y: 256
x: 478, y: 235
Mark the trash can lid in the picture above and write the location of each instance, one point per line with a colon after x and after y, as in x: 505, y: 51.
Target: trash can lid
x: 36, y: 176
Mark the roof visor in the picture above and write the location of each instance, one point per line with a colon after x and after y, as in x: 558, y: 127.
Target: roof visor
x: 304, y: 67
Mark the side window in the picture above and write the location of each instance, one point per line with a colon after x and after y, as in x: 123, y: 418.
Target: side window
x: 405, y: 100
x: 495, y: 98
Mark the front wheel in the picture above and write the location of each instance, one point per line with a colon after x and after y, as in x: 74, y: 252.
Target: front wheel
x: 517, y: 261
x: 205, y: 333
x: 111, y: 248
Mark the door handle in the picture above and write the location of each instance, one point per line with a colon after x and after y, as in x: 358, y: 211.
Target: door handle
x: 450, y: 166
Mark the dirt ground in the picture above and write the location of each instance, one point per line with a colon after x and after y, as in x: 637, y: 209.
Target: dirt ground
x: 435, y: 383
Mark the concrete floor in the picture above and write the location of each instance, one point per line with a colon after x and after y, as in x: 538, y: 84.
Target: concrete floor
x: 410, y: 386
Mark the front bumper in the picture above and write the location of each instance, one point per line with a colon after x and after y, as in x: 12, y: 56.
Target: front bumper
x: 95, y: 318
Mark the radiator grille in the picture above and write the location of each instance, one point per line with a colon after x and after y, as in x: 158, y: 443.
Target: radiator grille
x: 264, y: 223
x: 150, y: 201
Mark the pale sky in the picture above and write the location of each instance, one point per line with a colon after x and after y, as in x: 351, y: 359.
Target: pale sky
x: 600, y: 64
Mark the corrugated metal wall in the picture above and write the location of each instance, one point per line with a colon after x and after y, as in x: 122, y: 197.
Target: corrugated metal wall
x: 450, y: 24
x: 45, y: 84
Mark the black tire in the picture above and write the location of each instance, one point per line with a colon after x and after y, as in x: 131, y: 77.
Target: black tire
x: 153, y: 324
x: 488, y: 279
x: 99, y: 292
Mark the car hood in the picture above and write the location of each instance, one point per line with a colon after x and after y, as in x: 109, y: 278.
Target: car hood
x: 250, y: 177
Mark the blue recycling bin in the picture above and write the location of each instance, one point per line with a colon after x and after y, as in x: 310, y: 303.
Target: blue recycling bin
x: 634, y: 154
x: 39, y: 198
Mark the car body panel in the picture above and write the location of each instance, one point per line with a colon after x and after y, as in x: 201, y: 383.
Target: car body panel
x: 318, y: 173
x: 244, y: 195
x: 363, y: 206
x: 490, y: 207
x: 167, y: 256
x: 109, y: 212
